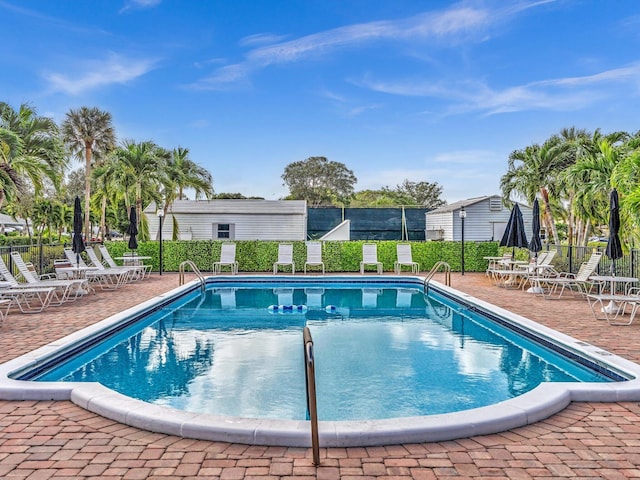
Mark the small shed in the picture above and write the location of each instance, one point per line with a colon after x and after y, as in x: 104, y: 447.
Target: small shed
x: 486, y: 219
x: 232, y: 219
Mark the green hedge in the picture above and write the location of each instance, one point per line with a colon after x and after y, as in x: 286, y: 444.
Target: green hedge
x: 259, y: 256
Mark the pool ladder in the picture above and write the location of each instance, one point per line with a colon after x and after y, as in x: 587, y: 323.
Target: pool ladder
x: 434, y: 270
x: 189, y: 263
x: 310, y: 377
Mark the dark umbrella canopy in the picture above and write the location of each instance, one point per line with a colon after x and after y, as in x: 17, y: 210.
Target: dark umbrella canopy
x: 132, y: 229
x: 614, y: 247
x: 514, y: 234
x: 535, y: 245
x: 78, y: 243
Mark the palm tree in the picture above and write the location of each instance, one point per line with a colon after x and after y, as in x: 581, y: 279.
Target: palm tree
x: 142, y: 164
x: 88, y: 132
x: 181, y: 173
x: 30, y: 151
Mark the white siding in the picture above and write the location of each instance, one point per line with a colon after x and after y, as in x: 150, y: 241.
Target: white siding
x: 440, y: 221
x: 252, y: 220
x: 479, y: 222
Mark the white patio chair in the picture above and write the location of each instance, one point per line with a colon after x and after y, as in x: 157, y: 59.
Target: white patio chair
x: 67, y: 290
x: 285, y: 257
x: 227, y: 259
x: 27, y: 298
x: 578, y: 282
x: 405, y: 258
x: 106, y: 257
x: 370, y: 257
x: 314, y: 256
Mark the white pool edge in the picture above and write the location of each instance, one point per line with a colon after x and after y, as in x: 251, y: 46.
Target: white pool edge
x: 538, y: 404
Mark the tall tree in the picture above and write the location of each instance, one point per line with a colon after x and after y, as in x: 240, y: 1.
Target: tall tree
x: 425, y: 194
x: 143, y: 164
x: 183, y: 173
x: 88, y: 132
x: 319, y: 181
x: 30, y: 151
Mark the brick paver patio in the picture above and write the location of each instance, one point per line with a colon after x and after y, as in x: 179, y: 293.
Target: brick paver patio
x: 58, y: 440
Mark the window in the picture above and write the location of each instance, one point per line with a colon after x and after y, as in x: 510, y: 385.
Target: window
x: 223, y: 231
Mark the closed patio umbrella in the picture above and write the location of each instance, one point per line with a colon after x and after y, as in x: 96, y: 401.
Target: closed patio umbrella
x: 514, y: 234
x: 132, y: 229
x: 614, y: 247
x: 535, y: 245
x: 78, y: 243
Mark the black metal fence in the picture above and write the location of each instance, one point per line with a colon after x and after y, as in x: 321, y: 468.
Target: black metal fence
x: 570, y: 257
x: 42, y: 256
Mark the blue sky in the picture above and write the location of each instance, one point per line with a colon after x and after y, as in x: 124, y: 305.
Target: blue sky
x: 434, y: 91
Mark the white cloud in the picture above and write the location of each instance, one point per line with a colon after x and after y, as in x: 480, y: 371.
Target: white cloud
x: 451, y: 24
x: 561, y: 94
x: 139, y: 4
x: 95, y: 74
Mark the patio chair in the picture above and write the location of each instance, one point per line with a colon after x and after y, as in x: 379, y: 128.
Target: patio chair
x: 67, y: 290
x: 145, y: 270
x: 314, y: 256
x: 370, y: 257
x: 227, y: 259
x: 616, y: 306
x: 578, y: 282
x: 110, y: 278
x: 27, y: 298
x: 403, y: 251
x: 285, y: 257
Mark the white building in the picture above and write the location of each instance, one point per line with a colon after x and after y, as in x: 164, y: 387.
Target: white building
x: 232, y: 220
x: 485, y: 220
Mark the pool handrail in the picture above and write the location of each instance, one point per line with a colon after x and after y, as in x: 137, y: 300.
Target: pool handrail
x: 434, y: 270
x: 195, y: 270
x: 312, y: 406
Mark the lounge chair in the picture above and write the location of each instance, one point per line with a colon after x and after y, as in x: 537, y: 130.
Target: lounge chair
x: 27, y: 298
x: 285, y: 257
x: 144, y: 270
x: 110, y: 278
x: 579, y: 282
x: 405, y: 259
x: 227, y: 259
x: 615, y: 307
x: 370, y: 257
x: 67, y: 290
x: 314, y: 256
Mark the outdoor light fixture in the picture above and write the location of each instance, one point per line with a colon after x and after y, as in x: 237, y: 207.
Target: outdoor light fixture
x: 463, y: 215
x: 160, y: 214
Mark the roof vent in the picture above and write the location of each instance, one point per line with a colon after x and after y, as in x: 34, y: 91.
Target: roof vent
x: 495, y: 204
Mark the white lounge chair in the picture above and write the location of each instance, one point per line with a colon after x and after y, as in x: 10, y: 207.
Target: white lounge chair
x: 28, y: 298
x: 314, y: 256
x: 285, y: 257
x: 370, y: 257
x: 111, y: 278
x: 616, y: 306
x: 578, y: 282
x: 145, y: 270
x: 67, y: 290
x: 405, y: 259
x: 227, y: 259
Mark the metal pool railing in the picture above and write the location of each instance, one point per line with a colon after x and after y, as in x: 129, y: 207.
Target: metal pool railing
x: 312, y: 407
x: 434, y: 270
x: 194, y: 269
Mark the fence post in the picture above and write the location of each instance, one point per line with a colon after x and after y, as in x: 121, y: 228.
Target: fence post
x: 570, y: 253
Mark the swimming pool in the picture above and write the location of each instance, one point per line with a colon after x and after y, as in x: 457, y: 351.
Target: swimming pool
x: 401, y: 318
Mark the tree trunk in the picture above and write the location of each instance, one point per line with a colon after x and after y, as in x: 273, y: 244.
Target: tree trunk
x: 548, y: 215
x: 87, y: 190
x: 103, y: 217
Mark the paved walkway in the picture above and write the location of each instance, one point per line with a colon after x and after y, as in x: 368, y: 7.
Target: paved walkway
x: 58, y: 440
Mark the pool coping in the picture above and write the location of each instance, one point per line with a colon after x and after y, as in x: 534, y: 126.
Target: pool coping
x: 540, y: 403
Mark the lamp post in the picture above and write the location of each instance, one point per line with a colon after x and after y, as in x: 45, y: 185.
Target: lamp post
x: 463, y: 215
x: 160, y: 214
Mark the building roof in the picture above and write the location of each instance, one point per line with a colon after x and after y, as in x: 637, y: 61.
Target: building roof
x: 246, y: 206
x: 452, y: 207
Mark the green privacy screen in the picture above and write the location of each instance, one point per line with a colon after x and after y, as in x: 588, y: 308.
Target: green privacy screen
x: 369, y: 223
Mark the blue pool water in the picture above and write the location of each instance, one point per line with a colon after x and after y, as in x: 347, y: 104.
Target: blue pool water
x: 382, y: 350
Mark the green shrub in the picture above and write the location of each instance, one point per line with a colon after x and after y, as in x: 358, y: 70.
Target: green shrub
x: 259, y: 255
